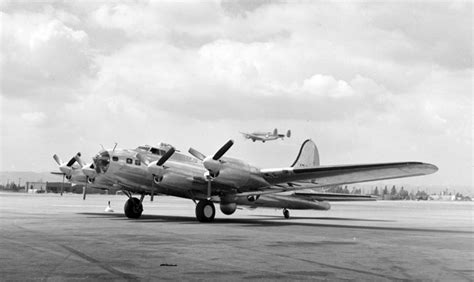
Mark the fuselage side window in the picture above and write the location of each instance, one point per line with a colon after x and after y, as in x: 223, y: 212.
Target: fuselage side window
x: 115, y: 158
x: 137, y: 162
x: 129, y: 161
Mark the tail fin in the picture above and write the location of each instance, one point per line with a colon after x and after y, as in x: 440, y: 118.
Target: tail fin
x: 288, y: 133
x: 308, y: 155
x: 275, y: 132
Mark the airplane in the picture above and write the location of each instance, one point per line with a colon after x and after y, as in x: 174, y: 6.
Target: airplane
x: 229, y: 182
x: 265, y: 136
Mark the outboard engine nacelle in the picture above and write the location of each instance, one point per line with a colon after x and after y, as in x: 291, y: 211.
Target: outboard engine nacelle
x: 228, y: 208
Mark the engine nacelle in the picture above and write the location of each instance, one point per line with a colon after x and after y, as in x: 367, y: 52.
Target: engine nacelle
x: 228, y: 208
x: 157, y: 179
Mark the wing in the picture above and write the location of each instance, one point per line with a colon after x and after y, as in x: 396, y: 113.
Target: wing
x: 251, y: 136
x: 335, y: 197
x: 346, y: 174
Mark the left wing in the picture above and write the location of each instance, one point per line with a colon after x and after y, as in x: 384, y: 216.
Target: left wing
x: 335, y: 197
x: 347, y: 174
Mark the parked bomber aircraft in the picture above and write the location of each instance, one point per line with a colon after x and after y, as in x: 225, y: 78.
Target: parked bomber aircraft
x: 266, y: 136
x: 227, y: 181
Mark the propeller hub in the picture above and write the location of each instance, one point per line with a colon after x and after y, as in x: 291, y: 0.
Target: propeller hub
x: 65, y: 169
x: 155, y: 169
x: 90, y: 172
x: 213, y: 166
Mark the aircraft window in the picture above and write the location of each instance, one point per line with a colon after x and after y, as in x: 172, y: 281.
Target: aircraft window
x: 137, y: 162
x: 129, y: 161
x: 154, y: 151
x: 115, y: 159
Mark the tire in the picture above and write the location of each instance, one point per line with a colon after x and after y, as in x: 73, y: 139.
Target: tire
x: 133, y: 208
x: 205, y: 211
x: 286, y: 213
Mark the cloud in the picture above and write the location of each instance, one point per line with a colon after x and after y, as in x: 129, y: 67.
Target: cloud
x: 41, y: 53
x: 34, y: 118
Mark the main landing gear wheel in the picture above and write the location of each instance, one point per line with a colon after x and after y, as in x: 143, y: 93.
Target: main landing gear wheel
x: 205, y: 211
x: 286, y: 213
x: 133, y: 208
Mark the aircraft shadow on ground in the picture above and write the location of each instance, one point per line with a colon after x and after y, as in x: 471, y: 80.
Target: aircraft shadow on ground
x: 270, y: 221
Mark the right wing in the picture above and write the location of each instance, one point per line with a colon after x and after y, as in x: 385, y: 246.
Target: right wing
x: 297, y: 179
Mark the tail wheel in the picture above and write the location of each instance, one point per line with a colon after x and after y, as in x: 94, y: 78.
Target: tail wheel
x: 205, y: 211
x: 286, y: 213
x: 133, y: 208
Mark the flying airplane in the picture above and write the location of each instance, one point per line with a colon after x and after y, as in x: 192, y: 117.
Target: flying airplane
x: 265, y: 136
x: 227, y: 181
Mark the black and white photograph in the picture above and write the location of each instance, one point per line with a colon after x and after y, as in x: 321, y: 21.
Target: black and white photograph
x: 235, y: 140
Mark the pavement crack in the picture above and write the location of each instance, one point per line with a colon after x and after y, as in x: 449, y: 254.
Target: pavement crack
x: 102, y: 265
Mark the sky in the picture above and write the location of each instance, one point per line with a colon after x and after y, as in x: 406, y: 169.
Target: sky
x: 367, y: 81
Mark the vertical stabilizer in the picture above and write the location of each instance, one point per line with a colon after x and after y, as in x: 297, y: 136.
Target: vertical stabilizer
x: 275, y: 132
x: 308, y: 155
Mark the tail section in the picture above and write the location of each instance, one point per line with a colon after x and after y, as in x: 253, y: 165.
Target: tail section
x: 308, y: 155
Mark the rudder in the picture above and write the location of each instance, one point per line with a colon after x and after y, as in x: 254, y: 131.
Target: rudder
x: 308, y: 155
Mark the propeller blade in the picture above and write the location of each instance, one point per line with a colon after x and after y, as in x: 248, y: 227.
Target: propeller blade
x: 166, y: 156
x: 196, y: 154
x: 57, y: 159
x: 73, y: 160
x: 79, y: 160
x: 223, y: 150
x: 84, y: 191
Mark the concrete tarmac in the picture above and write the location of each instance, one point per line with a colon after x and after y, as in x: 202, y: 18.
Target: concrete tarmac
x: 54, y: 238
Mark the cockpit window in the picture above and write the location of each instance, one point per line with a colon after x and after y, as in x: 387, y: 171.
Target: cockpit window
x: 137, y: 162
x: 102, y: 161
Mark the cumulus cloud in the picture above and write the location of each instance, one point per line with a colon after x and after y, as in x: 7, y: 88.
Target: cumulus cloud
x: 34, y: 118
x: 40, y: 52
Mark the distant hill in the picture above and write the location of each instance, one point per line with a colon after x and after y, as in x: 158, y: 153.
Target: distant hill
x: 27, y: 176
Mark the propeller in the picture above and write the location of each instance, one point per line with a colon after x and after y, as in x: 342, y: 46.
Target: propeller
x: 66, y: 168
x: 156, y: 168
x: 212, y: 164
x: 87, y: 169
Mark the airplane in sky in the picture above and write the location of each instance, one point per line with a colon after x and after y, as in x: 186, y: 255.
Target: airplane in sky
x: 265, y: 136
x: 226, y: 181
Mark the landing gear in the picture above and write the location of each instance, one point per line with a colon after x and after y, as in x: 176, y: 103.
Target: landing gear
x: 286, y: 213
x: 205, y: 211
x: 133, y: 208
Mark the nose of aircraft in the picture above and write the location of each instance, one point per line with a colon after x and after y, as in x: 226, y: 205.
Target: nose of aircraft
x: 102, y: 161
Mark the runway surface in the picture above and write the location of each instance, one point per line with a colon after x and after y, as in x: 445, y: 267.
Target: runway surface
x: 49, y: 237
